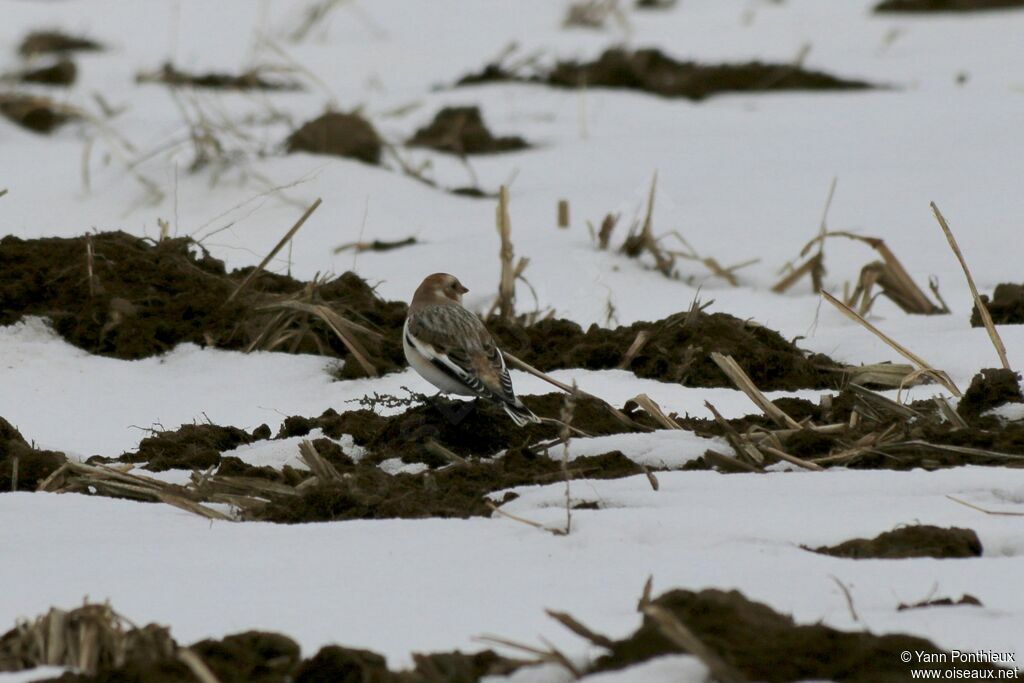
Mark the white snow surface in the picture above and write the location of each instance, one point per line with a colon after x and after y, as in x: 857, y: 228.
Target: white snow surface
x: 741, y: 176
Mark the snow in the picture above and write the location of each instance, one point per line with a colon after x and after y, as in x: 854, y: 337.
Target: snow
x: 399, y: 586
x: 741, y: 176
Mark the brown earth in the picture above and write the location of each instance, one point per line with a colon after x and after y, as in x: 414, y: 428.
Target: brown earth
x: 338, y: 134
x: 461, y: 130
x: 135, y: 298
x: 1006, y: 305
x: 678, y: 349
x: 654, y: 72
x: 909, y: 541
x: 945, y: 5
x: 61, y: 72
x: 990, y: 388
x: 466, y: 428
x: 965, y: 599
x: 764, y: 645
x: 38, y: 114
x: 122, y: 652
x: 23, y: 466
x: 248, y: 80
x: 42, y: 42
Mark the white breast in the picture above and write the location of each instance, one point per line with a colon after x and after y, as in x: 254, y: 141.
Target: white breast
x: 421, y: 364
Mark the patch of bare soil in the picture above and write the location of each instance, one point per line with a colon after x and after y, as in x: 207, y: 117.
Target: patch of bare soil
x: 860, y: 429
x: 49, y: 42
x: 338, y: 134
x: 195, y: 447
x: 22, y: 466
x: 457, y: 441
x: 654, y: 72
x: 965, y: 599
x: 461, y: 130
x: 253, y: 79
x: 61, y: 72
x: 763, y: 645
x: 989, y: 389
x: 36, y: 113
x: 461, y: 490
x: 118, y: 295
x: 676, y: 349
x: 909, y: 541
x: 1006, y: 306
x: 118, y: 651
x: 945, y: 5
x: 466, y: 428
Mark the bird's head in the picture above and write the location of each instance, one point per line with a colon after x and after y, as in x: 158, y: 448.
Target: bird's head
x: 440, y: 287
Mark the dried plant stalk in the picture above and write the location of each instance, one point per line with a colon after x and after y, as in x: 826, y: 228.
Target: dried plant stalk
x: 737, y: 376
x: 273, y: 252
x: 939, y: 375
x: 507, y: 284
x: 986, y: 317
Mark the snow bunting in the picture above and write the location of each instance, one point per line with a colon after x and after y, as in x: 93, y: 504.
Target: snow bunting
x: 450, y: 348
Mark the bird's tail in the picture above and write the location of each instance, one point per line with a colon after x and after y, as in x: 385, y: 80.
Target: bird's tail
x: 520, y: 414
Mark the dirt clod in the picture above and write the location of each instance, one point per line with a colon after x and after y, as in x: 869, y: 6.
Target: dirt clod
x: 678, y: 349
x: 136, y: 298
x: 17, y: 458
x: 337, y: 134
x: 195, y: 447
x: 909, y: 541
x: 61, y: 72
x: 990, y: 388
x: 461, y: 130
x: 945, y: 5
x: 654, y: 72
x: 965, y: 599
x: 38, y: 114
x: 252, y: 79
x: 119, y: 652
x: 458, y: 491
x: 1006, y: 305
x: 41, y: 42
x: 767, y: 646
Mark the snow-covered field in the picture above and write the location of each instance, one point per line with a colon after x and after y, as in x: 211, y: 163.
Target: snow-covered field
x: 741, y: 176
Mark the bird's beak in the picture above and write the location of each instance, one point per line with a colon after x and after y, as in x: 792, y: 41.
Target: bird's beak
x: 460, y: 288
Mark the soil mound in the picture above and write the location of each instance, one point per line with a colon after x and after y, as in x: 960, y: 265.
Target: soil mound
x: 676, y: 349
x: 248, y: 80
x: 366, y: 492
x: 764, y: 645
x: 120, y: 651
x: 22, y: 467
x: 990, y: 388
x: 909, y: 541
x: 902, y: 437
x: 945, y: 5
x: 337, y: 134
x: 461, y: 130
x: 38, y: 114
x: 61, y: 72
x: 42, y: 42
x: 117, y: 295
x: 1006, y: 305
x: 195, y: 447
x: 654, y: 72
x: 466, y: 428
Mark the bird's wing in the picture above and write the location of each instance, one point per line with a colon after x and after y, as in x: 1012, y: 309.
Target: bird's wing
x: 457, y: 343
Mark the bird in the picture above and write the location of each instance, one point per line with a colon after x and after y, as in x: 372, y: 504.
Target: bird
x: 450, y: 348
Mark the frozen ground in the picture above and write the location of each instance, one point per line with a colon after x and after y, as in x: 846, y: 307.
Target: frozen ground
x: 740, y: 176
